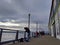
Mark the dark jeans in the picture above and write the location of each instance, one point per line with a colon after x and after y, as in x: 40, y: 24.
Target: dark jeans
x: 27, y: 38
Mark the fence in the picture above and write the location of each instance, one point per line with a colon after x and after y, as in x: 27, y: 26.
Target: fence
x: 9, y: 35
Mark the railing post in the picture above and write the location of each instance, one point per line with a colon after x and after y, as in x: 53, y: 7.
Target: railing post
x: 17, y: 35
x: 32, y: 34
x: 0, y: 35
x: 16, y: 38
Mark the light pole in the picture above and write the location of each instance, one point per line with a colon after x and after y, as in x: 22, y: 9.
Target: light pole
x: 36, y: 26
x: 29, y: 20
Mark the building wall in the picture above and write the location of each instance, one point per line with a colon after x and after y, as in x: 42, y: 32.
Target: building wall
x: 59, y: 17
x: 55, y: 13
x: 58, y: 30
x: 52, y: 33
x: 56, y: 24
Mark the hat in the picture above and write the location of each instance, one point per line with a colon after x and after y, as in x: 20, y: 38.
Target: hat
x: 26, y: 28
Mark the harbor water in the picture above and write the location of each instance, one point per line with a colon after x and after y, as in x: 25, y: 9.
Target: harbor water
x: 11, y: 35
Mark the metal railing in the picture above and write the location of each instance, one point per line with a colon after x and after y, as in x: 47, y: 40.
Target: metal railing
x: 9, y: 35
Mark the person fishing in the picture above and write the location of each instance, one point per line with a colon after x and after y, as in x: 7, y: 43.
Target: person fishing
x: 27, y: 34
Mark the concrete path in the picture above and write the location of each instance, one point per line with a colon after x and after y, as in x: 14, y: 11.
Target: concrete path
x: 46, y: 40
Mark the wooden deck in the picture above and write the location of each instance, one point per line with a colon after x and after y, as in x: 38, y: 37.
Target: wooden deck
x: 46, y: 40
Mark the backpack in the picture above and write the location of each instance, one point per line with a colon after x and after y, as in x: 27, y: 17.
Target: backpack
x: 21, y: 40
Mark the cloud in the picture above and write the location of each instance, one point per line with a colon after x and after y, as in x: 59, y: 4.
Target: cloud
x: 16, y: 11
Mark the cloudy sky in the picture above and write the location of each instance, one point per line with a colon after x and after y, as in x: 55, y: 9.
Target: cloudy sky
x: 15, y: 12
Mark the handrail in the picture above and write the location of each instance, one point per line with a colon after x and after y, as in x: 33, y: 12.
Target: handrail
x: 16, y: 37
x: 7, y: 29
x: 1, y: 32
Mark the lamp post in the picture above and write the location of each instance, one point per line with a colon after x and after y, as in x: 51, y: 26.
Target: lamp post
x: 29, y: 20
x: 36, y: 26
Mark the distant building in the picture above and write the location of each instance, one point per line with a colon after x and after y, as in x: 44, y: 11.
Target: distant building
x: 54, y: 19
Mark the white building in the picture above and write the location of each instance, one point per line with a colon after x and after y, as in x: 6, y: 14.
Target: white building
x: 54, y: 19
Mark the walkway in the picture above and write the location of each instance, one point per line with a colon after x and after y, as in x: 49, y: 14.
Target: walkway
x: 46, y: 40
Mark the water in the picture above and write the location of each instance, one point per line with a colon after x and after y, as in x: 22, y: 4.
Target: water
x: 11, y: 35
x: 7, y: 36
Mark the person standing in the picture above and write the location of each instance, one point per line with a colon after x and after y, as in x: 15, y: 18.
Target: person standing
x: 27, y: 34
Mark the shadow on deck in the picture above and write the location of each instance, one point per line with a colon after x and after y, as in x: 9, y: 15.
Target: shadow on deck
x: 46, y: 40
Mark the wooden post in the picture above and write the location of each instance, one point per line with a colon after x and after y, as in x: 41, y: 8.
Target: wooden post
x: 17, y: 35
x: 0, y: 35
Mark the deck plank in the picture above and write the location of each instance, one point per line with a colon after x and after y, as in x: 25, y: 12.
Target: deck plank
x: 46, y: 40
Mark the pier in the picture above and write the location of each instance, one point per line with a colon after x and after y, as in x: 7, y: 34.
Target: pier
x: 41, y: 40
x: 29, y: 22
x: 46, y: 40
